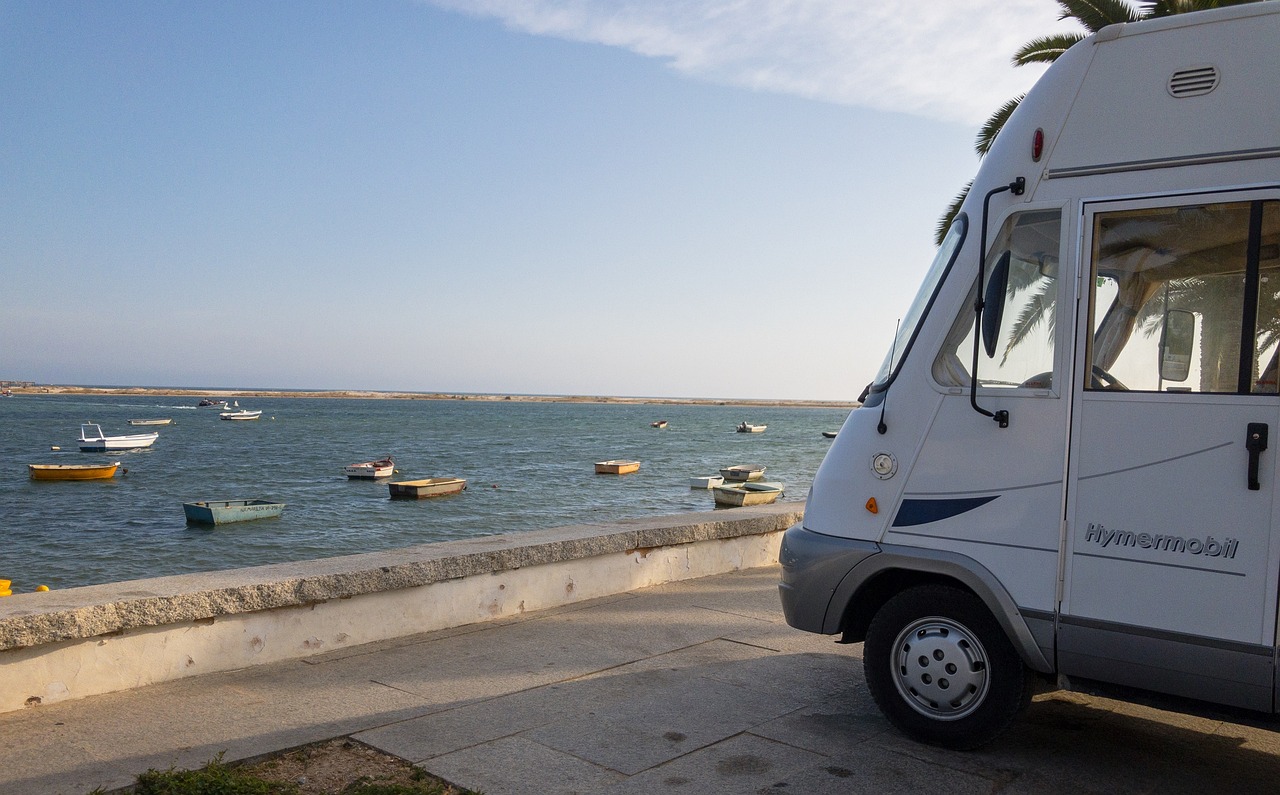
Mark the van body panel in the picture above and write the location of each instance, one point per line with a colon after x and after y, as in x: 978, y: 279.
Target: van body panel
x: 821, y: 576
x: 1237, y: 675
x: 1129, y: 105
x: 964, y: 570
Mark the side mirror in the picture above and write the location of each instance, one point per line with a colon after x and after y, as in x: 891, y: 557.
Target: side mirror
x: 993, y: 304
x: 1177, y: 342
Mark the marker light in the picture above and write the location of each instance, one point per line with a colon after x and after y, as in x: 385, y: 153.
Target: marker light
x: 871, y: 505
x: 1037, y: 144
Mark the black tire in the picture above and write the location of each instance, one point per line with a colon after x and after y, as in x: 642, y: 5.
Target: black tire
x: 942, y: 670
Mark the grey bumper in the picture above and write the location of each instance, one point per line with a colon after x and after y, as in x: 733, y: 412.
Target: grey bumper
x: 813, y: 565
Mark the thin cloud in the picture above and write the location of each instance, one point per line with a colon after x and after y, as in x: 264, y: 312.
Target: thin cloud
x: 940, y: 59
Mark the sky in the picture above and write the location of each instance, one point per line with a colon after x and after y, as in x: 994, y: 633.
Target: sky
x: 651, y: 198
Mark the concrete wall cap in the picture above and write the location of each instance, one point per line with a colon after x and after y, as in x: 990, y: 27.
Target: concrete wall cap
x: 34, y: 619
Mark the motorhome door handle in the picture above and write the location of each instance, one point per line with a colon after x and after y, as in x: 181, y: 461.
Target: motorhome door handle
x: 1255, y: 442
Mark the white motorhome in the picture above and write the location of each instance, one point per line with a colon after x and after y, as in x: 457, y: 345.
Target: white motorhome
x: 1061, y: 471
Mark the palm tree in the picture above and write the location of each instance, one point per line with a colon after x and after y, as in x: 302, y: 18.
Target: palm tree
x: 1093, y: 16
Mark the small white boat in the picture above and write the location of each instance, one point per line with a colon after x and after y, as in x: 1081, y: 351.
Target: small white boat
x: 165, y: 421
x: 243, y: 414
x: 743, y: 472
x: 706, y: 481
x: 829, y: 434
x: 658, y: 424
x: 92, y: 439
x: 740, y: 494
x: 371, y: 470
x: 616, y: 467
x: 746, y: 427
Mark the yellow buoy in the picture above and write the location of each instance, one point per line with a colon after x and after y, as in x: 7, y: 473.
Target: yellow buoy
x: 42, y: 587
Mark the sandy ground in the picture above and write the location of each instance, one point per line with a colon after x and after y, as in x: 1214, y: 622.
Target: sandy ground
x: 227, y: 393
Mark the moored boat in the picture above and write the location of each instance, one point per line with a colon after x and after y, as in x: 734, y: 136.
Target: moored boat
x: 746, y: 427
x: 616, y: 467
x: 382, y: 468
x: 706, y: 481
x: 163, y: 421
x: 829, y: 434
x: 92, y: 440
x: 658, y: 424
x: 209, y: 403
x: 743, y: 472
x: 227, y: 511
x: 74, y: 471
x: 428, y: 487
x: 740, y: 494
x: 243, y: 414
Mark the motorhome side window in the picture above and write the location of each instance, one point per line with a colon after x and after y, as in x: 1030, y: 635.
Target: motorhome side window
x: 1186, y: 299
x: 1024, y: 347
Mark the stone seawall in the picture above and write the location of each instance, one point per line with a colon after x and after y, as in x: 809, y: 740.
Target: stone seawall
x: 86, y: 641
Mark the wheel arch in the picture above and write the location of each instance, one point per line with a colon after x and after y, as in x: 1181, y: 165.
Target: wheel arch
x: 874, y: 581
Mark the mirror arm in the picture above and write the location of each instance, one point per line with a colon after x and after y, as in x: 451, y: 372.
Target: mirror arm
x: 1017, y: 188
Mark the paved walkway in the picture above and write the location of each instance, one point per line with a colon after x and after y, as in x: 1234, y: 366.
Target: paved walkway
x: 695, y: 687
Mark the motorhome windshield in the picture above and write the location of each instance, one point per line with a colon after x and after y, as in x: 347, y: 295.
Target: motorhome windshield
x: 924, y: 298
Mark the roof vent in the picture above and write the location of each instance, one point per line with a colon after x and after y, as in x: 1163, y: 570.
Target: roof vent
x: 1194, y: 82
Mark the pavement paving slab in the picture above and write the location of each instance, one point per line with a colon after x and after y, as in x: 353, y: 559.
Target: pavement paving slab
x: 690, y: 687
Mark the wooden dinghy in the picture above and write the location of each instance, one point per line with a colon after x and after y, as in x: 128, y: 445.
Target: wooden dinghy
x: 74, y: 471
x: 616, y: 467
x: 428, y: 487
x: 741, y: 494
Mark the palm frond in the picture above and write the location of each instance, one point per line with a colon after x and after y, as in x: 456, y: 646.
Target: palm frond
x: 1167, y: 8
x: 944, y: 223
x: 1097, y: 14
x: 987, y: 134
x: 1045, y: 49
x: 1036, y: 310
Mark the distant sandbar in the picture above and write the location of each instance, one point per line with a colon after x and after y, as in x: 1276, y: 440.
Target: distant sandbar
x: 346, y: 393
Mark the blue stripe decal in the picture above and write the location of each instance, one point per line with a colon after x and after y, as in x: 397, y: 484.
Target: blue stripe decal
x: 914, y: 512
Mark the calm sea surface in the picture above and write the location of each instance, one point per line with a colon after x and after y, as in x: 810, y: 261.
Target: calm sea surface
x: 528, y: 466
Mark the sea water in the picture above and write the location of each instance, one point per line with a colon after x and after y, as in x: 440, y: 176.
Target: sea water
x: 528, y: 466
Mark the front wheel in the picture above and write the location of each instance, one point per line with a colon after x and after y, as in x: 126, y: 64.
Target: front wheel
x: 942, y: 670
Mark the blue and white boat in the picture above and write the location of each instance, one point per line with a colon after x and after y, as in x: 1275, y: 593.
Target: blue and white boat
x: 92, y: 439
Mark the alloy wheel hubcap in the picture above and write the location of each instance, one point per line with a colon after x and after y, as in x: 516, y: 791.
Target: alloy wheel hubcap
x: 940, y: 668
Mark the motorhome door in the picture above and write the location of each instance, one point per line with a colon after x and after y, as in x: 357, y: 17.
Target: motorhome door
x: 1170, y: 573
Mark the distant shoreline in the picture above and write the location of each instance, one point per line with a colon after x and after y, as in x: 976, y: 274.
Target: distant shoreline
x: 372, y: 394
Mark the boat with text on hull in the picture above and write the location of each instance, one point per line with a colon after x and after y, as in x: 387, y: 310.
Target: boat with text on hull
x: 371, y: 470
x: 227, y: 511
